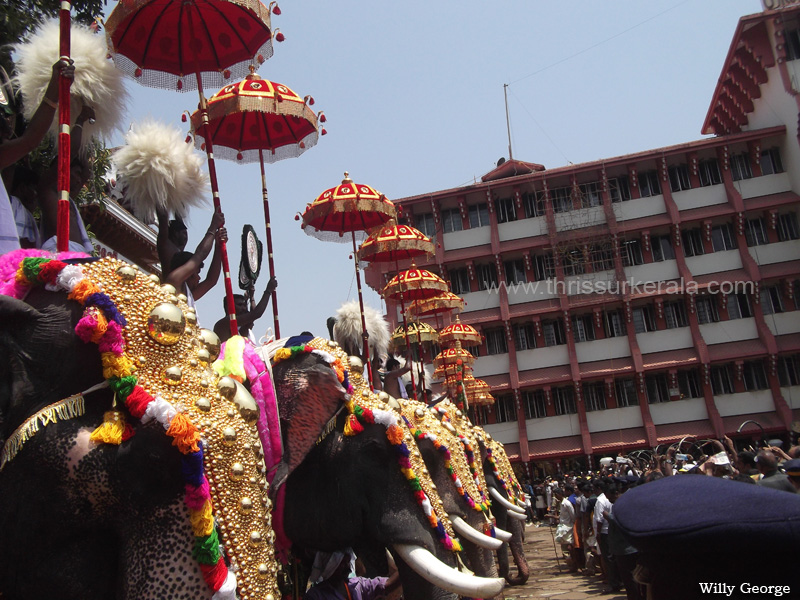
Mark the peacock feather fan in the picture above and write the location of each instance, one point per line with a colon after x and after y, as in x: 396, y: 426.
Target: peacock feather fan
x: 97, y: 82
x: 160, y: 171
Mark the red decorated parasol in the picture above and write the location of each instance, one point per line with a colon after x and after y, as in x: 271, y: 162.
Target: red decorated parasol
x: 352, y: 208
x: 436, y: 305
x: 258, y: 120
x: 452, y: 356
x: 478, y: 392
x: 461, y: 332
x: 163, y: 43
x: 415, y: 284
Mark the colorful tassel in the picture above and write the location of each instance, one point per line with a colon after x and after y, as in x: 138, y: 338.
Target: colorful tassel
x: 111, y: 430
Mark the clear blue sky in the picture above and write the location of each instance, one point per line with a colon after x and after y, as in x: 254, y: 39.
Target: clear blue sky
x: 413, y: 93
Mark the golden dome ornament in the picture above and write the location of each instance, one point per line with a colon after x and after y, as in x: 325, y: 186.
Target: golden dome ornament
x: 212, y: 343
x: 166, y: 324
x: 246, y: 404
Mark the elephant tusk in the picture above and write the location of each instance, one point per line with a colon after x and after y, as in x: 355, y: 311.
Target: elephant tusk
x: 468, y: 532
x: 521, y: 503
x: 447, y: 578
x: 518, y: 516
x: 503, y: 502
x: 501, y: 534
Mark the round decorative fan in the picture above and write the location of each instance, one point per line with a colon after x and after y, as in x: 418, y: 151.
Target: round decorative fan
x: 250, y: 265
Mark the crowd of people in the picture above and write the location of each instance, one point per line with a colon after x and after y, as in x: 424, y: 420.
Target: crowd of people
x: 580, y: 506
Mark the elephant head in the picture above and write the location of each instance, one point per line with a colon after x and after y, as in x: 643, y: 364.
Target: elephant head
x: 125, y: 501
x: 362, y: 482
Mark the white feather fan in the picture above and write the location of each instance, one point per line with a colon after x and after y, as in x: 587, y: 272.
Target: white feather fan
x: 97, y: 82
x: 159, y: 170
x: 427, y: 371
x: 348, y: 331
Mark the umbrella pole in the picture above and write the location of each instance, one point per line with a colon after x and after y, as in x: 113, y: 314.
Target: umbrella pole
x: 405, y: 329
x: 212, y: 175
x: 270, y: 260
x: 365, y: 333
x: 64, y: 159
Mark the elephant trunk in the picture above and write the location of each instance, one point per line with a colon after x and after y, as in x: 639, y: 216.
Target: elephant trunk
x: 469, y: 533
x: 512, y: 508
x: 433, y: 570
x: 518, y: 552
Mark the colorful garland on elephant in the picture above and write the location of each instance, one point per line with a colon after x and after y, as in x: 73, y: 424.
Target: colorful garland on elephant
x: 469, y: 452
x: 102, y: 323
x: 497, y: 475
x: 341, y: 372
x: 425, y: 435
x: 363, y: 415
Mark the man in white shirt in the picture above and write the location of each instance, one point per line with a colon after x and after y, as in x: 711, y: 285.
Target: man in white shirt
x: 602, y: 510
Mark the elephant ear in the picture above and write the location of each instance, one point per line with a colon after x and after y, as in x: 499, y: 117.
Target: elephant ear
x: 309, y: 396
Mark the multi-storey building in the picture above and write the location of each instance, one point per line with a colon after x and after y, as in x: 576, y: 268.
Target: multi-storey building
x: 633, y: 301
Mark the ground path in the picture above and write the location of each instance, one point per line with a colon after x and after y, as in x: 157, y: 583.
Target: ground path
x: 545, y: 580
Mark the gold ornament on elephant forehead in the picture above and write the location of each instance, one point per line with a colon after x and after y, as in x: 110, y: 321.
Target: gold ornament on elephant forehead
x: 172, y: 356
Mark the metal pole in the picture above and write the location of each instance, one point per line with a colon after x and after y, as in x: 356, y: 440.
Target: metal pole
x: 365, y: 333
x: 508, y: 122
x: 270, y: 260
x: 405, y: 328
x: 64, y: 159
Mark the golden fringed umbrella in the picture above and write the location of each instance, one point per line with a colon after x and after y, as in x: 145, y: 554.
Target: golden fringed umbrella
x: 258, y: 120
x: 415, y: 333
x: 393, y: 243
x: 479, y: 392
x: 461, y: 332
x: 352, y: 208
x: 451, y: 356
x: 436, y: 305
x: 415, y: 284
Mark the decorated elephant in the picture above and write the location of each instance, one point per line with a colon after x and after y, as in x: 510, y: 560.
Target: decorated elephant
x: 354, y: 476
x: 126, y: 470
x: 458, y: 476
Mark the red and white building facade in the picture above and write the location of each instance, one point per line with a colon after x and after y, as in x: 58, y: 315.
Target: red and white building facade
x: 633, y: 301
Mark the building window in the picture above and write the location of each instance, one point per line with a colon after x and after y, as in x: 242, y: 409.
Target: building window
x: 553, y: 332
x: 564, y: 400
x: 657, y: 388
x: 738, y: 306
x: 583, y: 328
x: 459, y: 280
x: 451, y: 220
x: 675, y: 314
x: 505, y: 409
x: 706, y: 310
x: 533, y: 202
x: 590, y: 195
x: 693, y: 242
x: 791, y: 38
x: 723, y: 238
x: 754, y: 375
x: 544, y: 266
x: 662, y: 248
x: 594, y: 396
x: 755, y: 232
x: 631, y: 251
x: 649, y: 184
x: 626, y: 393
x: 787, y: 227
x: 644, y: 319
x: 708, y: 170
x: 474, y: 350
x: 495, y: 341
x: 426, y: 224
x: 487, y: 276
x: 721, y: 380
x: 689, y: 384
x: 524, y: 336
x: 561, y: 199
x: 740, y: 166
x: 573, y: 261
x: 506, y: 210
x: 602, y: 258
x: 614, y: 323
x: 679, y: 178
x: 771, y: 300
x: 535, y: 404
x: 618, y: 189
x: 478, y: 215
x: 789, y: 370
x: 795, y: 285
x: 771, y: 161
x: 515, y: 271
